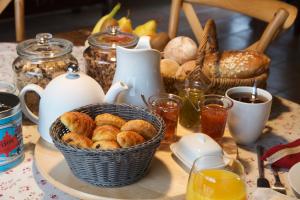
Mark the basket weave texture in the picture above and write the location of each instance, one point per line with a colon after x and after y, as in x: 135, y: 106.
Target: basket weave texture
x: 110, y: 168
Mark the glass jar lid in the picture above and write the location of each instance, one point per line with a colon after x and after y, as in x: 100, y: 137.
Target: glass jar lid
x: 44, y: 46
x: 112, y: 38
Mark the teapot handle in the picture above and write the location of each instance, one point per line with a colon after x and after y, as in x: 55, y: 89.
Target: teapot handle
x: 35, y: 88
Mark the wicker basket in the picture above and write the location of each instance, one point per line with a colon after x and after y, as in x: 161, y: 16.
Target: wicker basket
x: 207, y: 45
x: 110, y: 168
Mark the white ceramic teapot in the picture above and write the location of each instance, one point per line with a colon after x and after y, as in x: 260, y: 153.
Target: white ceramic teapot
x: 139, y: 68
x: 64, y: 93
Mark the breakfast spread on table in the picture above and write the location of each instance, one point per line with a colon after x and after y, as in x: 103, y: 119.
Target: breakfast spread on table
x: 140, y: 86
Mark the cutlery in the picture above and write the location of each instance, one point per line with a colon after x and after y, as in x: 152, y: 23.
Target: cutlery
x: 254, y: 92
x: 278, y: 186
x: 144, y: 100
x: 261, y: 181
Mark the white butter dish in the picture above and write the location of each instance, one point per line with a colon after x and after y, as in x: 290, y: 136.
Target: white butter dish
x: 190, y: 147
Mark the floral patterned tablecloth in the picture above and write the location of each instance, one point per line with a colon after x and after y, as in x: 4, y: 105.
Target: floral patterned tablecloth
x: 25, y: 182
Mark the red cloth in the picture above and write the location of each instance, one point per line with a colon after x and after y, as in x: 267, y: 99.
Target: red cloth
x: 283, y: 155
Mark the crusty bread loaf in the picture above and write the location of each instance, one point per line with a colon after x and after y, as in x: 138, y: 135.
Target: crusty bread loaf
x: 235, y: 64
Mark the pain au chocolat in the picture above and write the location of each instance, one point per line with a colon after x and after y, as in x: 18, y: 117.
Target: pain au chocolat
x: 77, y: 140
x: 79, y: 123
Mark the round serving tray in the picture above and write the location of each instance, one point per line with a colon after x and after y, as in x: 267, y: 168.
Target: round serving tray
x: 167, y: 177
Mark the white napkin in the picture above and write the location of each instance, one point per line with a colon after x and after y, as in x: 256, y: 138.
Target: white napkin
x: 269, y: 194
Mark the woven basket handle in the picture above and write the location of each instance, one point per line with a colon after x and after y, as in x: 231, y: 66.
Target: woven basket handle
x: 208, y: 44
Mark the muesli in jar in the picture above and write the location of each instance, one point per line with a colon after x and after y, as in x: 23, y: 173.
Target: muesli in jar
x: 39, y: 61
x: 100, y: 56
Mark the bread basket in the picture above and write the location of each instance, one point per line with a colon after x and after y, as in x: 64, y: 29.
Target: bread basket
x: 110, y: 168
x: 208, y: 44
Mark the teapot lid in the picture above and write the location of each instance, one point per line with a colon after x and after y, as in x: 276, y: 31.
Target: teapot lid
x: 44, y: 46
x: 111, y: 38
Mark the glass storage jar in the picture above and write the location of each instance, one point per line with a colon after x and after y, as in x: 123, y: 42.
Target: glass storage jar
x: 39, y: 61
x: 100, y: 56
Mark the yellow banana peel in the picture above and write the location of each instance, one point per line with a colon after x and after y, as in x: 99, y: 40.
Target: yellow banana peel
x: 113, y: 12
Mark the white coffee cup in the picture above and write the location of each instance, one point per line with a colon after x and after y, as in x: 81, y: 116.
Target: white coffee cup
x: 246, y: 121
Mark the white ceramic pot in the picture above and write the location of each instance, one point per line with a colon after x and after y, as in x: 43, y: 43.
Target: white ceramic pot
x: 64, y: 93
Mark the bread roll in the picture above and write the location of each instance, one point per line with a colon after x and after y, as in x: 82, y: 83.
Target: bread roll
x: 77, y: 140
x: 105, y: 132
x: 185, y: 69
x: 142, y: 127
x: 109, y: 119
x: 129, y: 138
x: 79, y: 123
x: 181, y: 49
x: 168, y: 68
x: 235, y: 64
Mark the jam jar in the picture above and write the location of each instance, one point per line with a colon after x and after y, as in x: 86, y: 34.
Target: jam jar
x: 39, y: 61
x: 100, y: 56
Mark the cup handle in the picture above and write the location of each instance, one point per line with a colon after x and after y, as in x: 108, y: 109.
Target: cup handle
x: 35, y: 88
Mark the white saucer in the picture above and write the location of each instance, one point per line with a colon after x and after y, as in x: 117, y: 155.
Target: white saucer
x: 165, y: 179
x: 294, y: 180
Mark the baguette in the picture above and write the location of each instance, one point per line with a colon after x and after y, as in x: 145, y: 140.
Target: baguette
x: 235, y: 64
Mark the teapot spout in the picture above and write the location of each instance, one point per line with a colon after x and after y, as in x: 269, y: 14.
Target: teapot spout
x: 114, y: 91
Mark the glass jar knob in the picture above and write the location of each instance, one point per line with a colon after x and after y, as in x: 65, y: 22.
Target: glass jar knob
x: 43, y: 38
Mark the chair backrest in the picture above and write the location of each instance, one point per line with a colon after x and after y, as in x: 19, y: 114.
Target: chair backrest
x: 279, y: 16
x: 19, y: 17
x: 4, y: 4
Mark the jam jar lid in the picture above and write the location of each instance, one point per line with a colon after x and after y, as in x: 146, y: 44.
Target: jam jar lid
x: 44, y: 46
x: 112, y: 38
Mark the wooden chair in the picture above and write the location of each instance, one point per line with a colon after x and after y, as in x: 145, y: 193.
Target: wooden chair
x: 278, y: 14
x: 19, y: 17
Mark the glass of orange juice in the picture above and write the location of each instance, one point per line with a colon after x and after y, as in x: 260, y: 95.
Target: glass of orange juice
x: 216, y: 177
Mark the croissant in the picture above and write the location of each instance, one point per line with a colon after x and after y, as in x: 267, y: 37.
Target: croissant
x: 79, y: 123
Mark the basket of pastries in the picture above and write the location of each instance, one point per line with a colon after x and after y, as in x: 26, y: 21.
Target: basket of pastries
x: 108, y: 145
x: 218, y: 70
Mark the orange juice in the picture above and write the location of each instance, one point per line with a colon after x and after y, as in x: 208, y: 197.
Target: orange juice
x: 215, y: 184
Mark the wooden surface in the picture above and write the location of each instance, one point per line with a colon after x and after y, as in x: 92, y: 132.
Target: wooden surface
x: 19, y: 17
x: 278, y: 15
x: 260, y: 9
x: 19, y: 20
x: 4, y: 4
x: 78, y: 37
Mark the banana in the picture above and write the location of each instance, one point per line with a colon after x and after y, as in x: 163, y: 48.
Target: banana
x: 110, y: 15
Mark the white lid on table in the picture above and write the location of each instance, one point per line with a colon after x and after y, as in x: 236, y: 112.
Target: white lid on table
x: 190, y: 147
